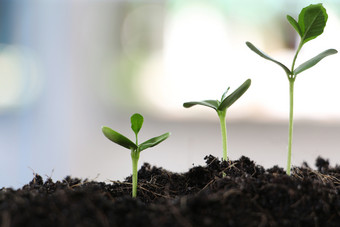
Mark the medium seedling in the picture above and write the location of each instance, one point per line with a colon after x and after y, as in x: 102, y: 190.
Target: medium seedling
x: 136, y: 124
x: 221, y: 106
x: 311, y: 23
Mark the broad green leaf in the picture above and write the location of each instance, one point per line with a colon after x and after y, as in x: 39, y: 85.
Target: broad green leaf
x: 313, y: 61
x: 295, y: 24
x: 227, y: 102
x: 225, y: 94
x: 118, y: 138
x: 136, y: 122
x: 209, y: 103
x: 153, y: 141
x: 312, y: 21
x: 265, y: 56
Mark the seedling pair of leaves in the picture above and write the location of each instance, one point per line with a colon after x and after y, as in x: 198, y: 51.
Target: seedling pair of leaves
x: 137, y: 122
x: 221, y: 106
x: 136, y: 125
x: 311, y: 23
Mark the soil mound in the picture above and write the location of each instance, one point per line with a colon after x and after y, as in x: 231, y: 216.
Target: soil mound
x: 232, y: 193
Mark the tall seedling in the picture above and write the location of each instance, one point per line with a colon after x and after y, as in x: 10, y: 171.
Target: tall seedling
x: 311, y: 23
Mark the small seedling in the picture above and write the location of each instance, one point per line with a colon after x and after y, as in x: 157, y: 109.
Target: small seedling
x: 136, y: 124
x: 221, y: 109
x: 311, y: 23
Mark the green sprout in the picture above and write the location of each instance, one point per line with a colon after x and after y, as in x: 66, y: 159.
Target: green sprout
x: 221, y: 108
x: 311, y: 23
x: 136, y: 124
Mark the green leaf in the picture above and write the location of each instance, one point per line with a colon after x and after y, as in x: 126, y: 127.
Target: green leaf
x: 295, y: 24
x: 118, y: 138
x: 227, y: 102
x: 225, y: 94
x: 265, y: 56
x: 312, y: 21
x: 136, y: 122
x: 209, y: 103
x: 153, y: 141
x: 313, y: 61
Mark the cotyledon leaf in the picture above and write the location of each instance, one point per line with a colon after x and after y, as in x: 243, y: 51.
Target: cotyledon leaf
x: 118, y: 138
x: 153, y: 141
x: 313, y: 61
x: 209, y: 103
x: 265, y: 56
x: 227, y: 102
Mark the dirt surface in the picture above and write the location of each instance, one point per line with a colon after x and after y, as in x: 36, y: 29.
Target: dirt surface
x: 246, y: 195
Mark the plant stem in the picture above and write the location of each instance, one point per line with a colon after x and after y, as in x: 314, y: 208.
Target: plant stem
x: 222, y: 117
x: 296, y: 54
x: 290, y: 133
x: 135, y: 157
x: 291, y: 79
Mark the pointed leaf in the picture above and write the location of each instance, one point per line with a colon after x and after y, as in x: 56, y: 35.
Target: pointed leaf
x: 227, y: 102
x: 225, y: 94
x: 209, y: 103
x: 313, y: 61
x: 118, y: 138
x: 153, y: 141
x: 136, y: 122
x: 265, y: 56
x: 295, y: 24
x: 312, y: 21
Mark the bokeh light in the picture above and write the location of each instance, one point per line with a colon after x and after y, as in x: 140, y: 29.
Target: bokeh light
x: 68, y: 67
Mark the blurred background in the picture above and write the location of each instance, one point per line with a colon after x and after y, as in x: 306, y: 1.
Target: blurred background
x: 67, y: 67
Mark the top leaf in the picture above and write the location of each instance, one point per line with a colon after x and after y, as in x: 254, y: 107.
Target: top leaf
x: 295, y: 24
x: 311, y: 24
x: 136, y: 122
x: 225, y: 94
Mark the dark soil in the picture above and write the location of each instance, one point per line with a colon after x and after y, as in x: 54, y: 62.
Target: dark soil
x: 248, y: 195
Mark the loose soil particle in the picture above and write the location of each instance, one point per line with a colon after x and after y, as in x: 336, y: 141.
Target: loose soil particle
x: 246, y: 195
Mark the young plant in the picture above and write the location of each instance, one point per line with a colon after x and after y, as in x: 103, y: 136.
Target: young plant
x: 311, y: 23
x: 221, y: 106
x: 136, y: 124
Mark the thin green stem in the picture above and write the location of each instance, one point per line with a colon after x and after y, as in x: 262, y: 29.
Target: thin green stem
x: 290, y: 133
x: 291, y: 79
x: 135, y: 157
x: 222, y: 117
x: 294, y: 60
